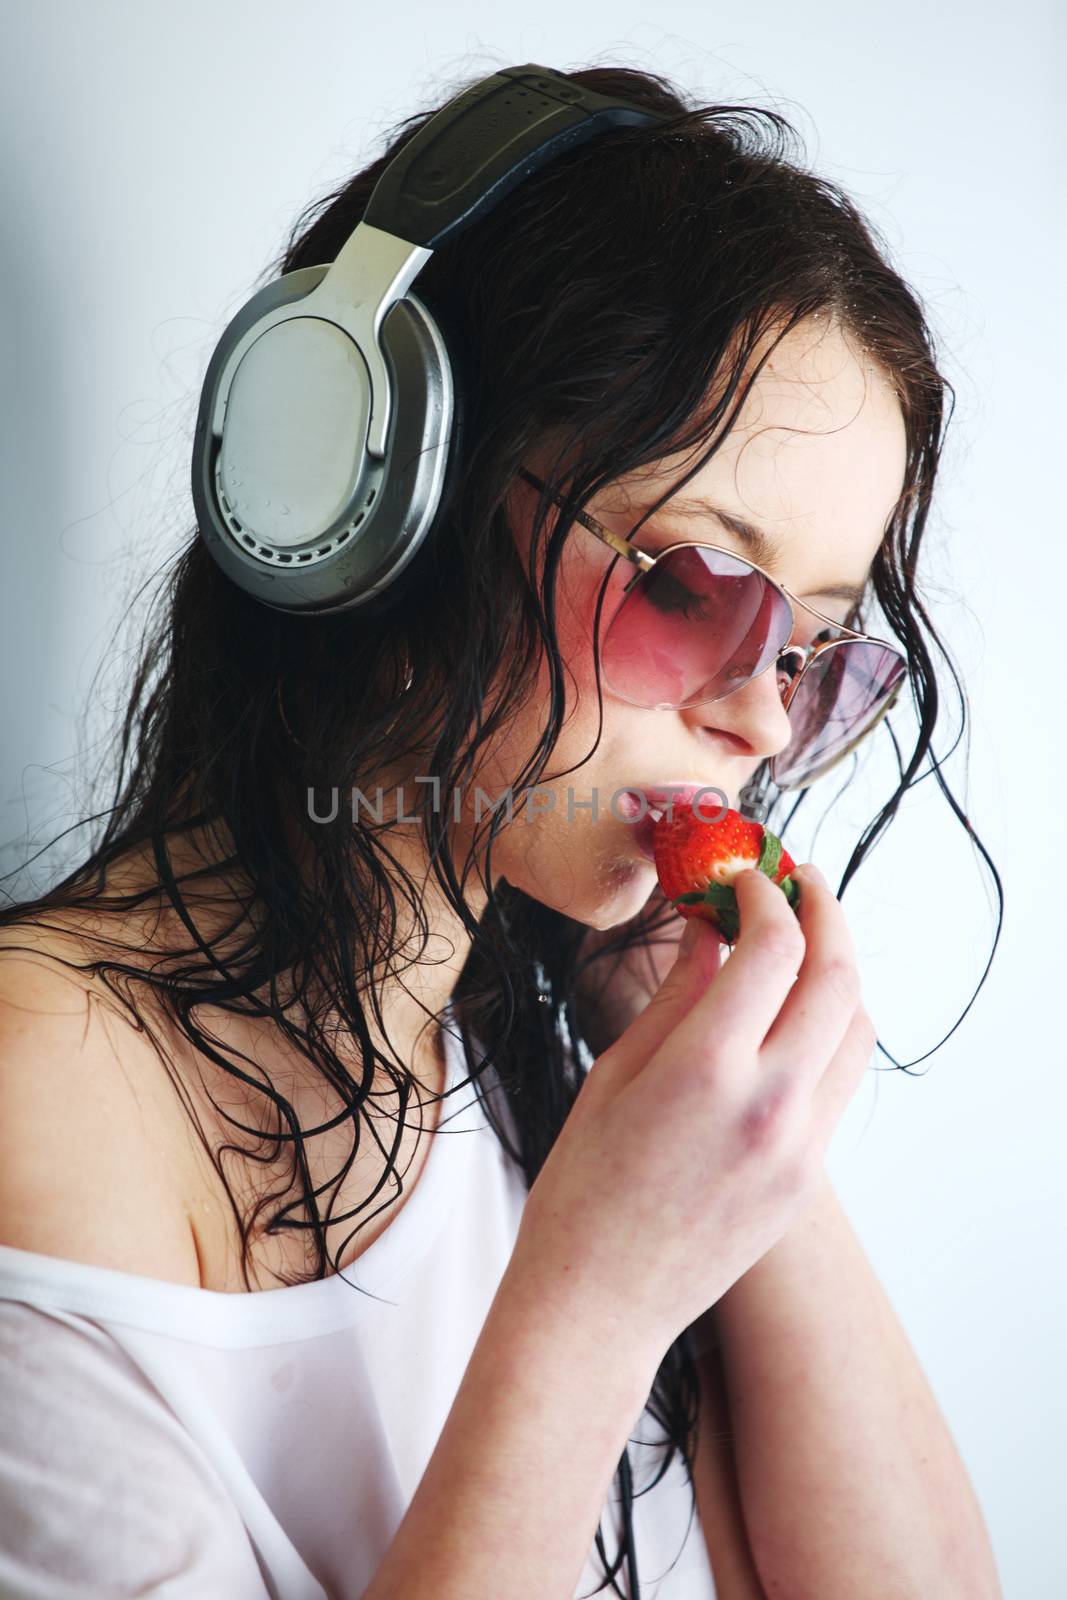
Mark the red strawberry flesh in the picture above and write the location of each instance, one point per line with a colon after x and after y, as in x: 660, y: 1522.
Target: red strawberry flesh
x: 697, y: 861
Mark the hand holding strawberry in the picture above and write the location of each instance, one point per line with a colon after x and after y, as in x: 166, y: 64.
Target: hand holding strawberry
x: 698, y: 1136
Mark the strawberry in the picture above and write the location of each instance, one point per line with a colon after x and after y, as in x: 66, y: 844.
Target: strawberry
x: 697, y: 861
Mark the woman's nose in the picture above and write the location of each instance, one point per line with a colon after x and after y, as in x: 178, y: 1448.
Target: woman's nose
x: 752, y: 720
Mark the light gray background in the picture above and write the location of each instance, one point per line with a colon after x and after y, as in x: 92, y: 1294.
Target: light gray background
x: 155, y: 157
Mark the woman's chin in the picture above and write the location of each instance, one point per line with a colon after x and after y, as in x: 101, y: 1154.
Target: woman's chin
x: 625, y: 884
x: 600, y: 889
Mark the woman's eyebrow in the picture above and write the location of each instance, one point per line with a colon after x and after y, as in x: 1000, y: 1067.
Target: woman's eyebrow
x: 762, y: 549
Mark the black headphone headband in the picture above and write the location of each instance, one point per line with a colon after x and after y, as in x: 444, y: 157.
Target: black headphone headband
x: 482, y: 144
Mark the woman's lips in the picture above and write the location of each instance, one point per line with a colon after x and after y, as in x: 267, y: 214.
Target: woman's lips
x: 629, y: 803
x: 644, y: 834
x: 655, y: 801
x: 711, y: 798
x: 639, y: 815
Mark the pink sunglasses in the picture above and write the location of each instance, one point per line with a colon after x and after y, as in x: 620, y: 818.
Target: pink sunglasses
x: 697, y: 622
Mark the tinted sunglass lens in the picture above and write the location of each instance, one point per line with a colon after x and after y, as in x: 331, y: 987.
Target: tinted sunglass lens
x: 700, y: 623
x: 840, y: 696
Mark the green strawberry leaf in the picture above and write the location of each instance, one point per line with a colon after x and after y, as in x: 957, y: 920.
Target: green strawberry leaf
x: 721, y: 899
x: 723, y: 903
x: 720, y: 895
x: 770, y: 854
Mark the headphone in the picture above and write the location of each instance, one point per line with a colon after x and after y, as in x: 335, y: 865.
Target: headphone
x: 331, y: 415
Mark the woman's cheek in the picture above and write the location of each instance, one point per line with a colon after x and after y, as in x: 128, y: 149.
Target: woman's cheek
x: 576, y: 619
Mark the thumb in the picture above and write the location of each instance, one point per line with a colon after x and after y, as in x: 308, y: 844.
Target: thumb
x: 697, y: 962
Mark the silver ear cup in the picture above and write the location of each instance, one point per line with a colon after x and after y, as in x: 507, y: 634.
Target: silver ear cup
x: 290, y: 502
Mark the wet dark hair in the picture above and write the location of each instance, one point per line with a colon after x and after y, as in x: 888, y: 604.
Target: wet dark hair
x: 599, y: 306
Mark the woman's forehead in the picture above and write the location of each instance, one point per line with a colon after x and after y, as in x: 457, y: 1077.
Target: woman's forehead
x: 815, y: 460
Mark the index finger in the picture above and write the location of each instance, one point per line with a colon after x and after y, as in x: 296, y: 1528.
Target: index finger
x: 688, y: 979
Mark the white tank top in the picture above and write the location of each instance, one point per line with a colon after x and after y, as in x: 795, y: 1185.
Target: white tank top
x: 161, y: 1440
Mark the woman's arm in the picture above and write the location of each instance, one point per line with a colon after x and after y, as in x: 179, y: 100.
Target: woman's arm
x: 849, y: 1478
x: 715, y: 1485
x: 513, y: 1492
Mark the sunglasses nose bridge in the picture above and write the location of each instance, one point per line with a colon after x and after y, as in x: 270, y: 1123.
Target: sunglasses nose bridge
x: 791, y: 660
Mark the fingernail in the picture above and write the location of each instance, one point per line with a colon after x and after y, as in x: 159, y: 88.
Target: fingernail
x: 689, y: 938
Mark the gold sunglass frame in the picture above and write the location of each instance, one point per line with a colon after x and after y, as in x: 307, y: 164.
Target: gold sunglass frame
x: 644, y: 563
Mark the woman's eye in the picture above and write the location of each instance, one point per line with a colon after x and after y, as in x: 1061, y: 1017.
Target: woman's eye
x: 678, y: 600
x: 803, y: 636
x: 675, y: 598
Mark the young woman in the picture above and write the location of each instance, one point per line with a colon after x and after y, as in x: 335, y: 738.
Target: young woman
x: 391, y: 1205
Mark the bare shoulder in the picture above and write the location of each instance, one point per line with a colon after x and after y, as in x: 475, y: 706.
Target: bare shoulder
x: 89, y: 1169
